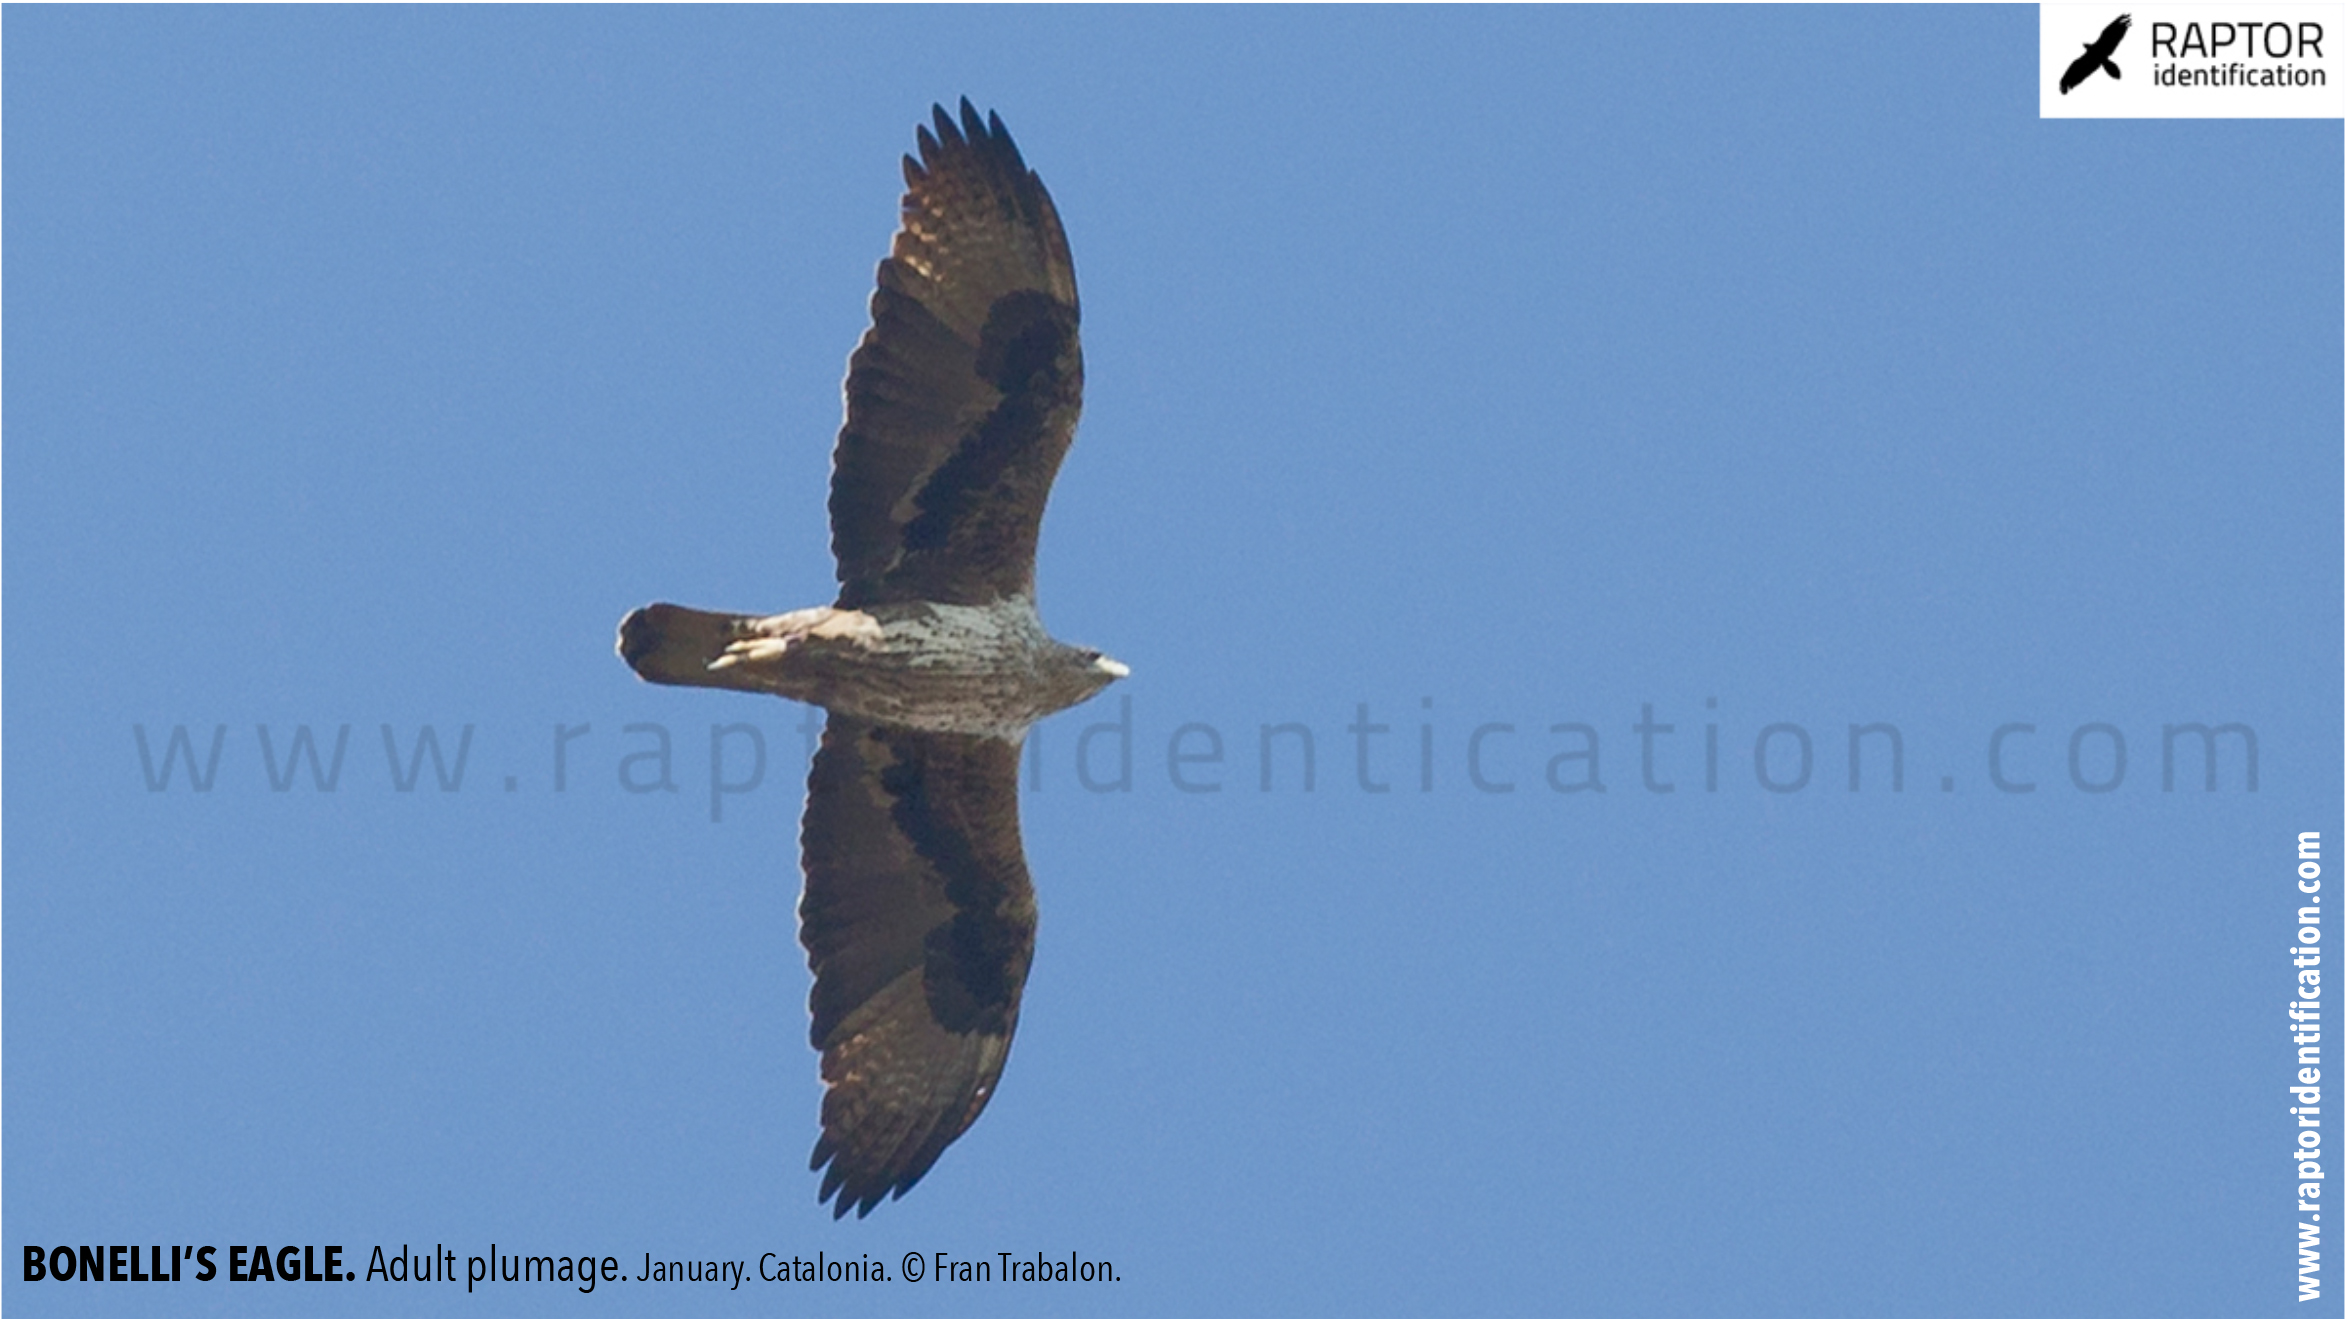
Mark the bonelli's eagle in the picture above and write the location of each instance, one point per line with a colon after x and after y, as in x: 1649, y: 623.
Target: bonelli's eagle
x: 918, y: 917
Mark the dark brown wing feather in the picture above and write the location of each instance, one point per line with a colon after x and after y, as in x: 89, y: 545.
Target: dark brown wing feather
x: 919, y: 922
x: 962, y: 397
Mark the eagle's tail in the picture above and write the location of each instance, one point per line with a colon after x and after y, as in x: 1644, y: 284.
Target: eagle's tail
x: 2112, y: 66
x: 675, y: 645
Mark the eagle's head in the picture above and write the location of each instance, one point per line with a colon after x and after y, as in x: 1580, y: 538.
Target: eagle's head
x: 1081, y: 672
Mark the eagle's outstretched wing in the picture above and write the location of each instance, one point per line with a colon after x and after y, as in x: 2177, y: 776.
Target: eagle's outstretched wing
x: 919, y: 922
x: 963, y: 395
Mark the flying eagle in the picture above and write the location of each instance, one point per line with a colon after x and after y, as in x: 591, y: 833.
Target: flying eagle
x: 918, y: 916
x: 2097, y: 54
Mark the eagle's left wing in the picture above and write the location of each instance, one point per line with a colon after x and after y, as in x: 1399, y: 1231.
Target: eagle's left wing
x: 919, y: 922
x: 963, y: 395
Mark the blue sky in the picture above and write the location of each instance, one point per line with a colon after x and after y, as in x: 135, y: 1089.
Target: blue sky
x: 1493, y: 371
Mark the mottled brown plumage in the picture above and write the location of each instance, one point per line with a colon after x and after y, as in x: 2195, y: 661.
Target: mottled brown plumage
x: 962, y: 397
x: 918, y: 916
x: 919, y: 921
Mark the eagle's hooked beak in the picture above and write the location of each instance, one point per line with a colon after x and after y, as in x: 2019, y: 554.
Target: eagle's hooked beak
x: 1110, y: 667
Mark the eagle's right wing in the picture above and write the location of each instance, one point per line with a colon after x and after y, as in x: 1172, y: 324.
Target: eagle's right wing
x: 919, y: 922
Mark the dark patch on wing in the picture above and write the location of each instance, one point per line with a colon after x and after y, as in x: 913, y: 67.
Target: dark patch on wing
x: 963, y: 396
x: 919, y: 922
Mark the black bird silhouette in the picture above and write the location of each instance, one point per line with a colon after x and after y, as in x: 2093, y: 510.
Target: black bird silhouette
x: 2097, y: 54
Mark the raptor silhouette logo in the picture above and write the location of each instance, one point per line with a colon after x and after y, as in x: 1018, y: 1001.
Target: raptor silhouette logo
x: 2097, y: 54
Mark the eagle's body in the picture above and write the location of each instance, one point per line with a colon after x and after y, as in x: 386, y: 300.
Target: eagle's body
x: 918, y: 916
x: 980, y: 669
